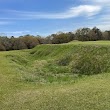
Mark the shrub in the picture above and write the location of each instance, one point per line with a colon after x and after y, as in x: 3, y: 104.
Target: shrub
x: 88, y: 64
x: 64, y: 61
x: 2, y: 48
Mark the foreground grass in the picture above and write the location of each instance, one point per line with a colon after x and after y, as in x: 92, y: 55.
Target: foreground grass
x: 32, y: 80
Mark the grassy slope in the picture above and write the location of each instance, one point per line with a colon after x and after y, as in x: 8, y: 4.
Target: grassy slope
x: 26, y: 76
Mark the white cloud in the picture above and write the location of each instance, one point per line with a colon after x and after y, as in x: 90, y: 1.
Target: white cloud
x: 82, y: 10
x: 88, y: 10
x: 102, y: 21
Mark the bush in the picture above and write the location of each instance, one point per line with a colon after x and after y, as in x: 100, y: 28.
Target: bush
x: 88, y: 64
x: 64, y: 61
x: 2, y: 48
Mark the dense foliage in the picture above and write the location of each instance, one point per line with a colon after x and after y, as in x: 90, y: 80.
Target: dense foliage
x: 30, y: 41
x: 24, y: 42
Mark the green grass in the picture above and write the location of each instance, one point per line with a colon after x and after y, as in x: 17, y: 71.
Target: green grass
x: 91, y: 42
x: 46, y: 77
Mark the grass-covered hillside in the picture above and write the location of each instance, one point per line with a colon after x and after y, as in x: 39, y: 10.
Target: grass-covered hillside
x: 71, y: 76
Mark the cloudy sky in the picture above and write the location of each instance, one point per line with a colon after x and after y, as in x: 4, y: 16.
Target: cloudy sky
x: 44, y: 17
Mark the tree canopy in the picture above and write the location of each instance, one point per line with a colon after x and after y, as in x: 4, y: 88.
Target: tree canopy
x: 30, y: 41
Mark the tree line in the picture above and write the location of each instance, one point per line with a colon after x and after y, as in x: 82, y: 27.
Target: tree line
x: 30, y: 41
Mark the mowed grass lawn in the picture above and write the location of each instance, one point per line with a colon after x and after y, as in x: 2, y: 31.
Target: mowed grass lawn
x: 20, y: 88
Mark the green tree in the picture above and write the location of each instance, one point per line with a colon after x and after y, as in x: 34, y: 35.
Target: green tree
x: 30, y: 41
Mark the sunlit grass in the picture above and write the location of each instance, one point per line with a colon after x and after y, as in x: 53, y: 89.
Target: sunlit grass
x: 41, y: 78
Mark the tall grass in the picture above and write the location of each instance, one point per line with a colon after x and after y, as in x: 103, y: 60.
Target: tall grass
x: 48, y: 77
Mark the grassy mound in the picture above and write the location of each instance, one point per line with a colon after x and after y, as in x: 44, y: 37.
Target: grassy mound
x: 60, y: 63
x: 79, y: 59
x: 48, y: 77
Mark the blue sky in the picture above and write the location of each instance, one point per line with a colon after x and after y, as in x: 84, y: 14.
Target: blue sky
x: 44, y: 17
